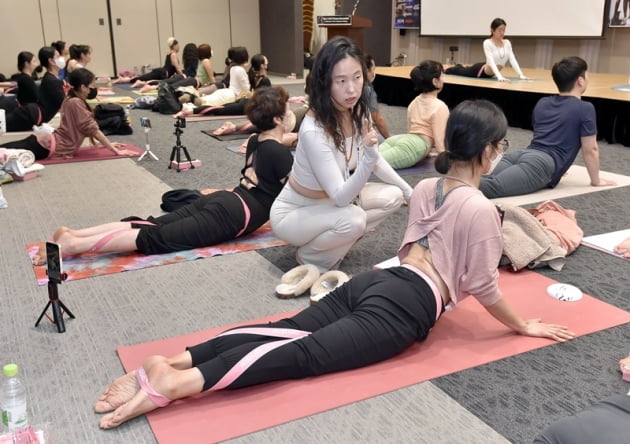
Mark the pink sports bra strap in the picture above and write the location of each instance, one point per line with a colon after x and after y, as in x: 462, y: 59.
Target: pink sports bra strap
x: 248, y: 216
x: 288, y: 333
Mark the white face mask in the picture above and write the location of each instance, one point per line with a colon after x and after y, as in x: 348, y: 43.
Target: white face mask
x: 494, y: 162
x: 60, y: 62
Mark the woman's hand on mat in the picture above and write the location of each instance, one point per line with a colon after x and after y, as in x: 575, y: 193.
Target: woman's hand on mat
x: 604, y: 183
x: 537, y: 329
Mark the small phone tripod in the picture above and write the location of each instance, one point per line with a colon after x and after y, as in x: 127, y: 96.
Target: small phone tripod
x: 175, y: 159
x: 58, y: 307
x: 147, y: 147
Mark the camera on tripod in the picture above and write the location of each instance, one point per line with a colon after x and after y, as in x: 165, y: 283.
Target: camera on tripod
x: 180, y: 122
x: 451, y: 60
x: 176, y: 161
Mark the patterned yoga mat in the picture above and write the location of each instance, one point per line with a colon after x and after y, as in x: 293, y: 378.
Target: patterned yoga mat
x: 95, y: 264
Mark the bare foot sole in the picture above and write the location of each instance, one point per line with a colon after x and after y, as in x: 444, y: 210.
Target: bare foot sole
x: 119, y: 392
x: 226, y: 128
x: 136, y: 406
x: 40, y: 255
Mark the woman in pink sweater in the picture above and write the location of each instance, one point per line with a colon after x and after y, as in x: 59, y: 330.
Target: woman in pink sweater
x: 77, y: 123
x: 451, y: 249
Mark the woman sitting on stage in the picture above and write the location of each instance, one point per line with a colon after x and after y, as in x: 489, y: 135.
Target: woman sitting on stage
x: 451, y: 249
x: 498, y: 51
x: 213, y: 218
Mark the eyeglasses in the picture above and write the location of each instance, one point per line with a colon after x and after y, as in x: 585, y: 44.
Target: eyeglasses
x: 505, y: 144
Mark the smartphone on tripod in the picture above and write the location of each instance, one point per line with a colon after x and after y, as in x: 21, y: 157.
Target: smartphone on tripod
x: 145, y: 122
x: 54, y: 262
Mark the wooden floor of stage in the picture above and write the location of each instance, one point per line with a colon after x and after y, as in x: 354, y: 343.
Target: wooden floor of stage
x: 599, y: 86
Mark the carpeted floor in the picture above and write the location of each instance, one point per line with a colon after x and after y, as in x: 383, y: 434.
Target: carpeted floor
x: 506, y: 401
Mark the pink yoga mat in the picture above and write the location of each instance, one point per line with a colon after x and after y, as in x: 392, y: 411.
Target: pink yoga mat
x: 87, y: 153
x: 463, y: 338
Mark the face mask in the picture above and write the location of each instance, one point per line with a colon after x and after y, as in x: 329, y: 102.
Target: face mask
x: 60, y: 62
x: 494, y: 162
x: 92, y: 94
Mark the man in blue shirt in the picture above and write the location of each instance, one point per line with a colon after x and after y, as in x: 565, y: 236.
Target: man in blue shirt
x: 563, y: 125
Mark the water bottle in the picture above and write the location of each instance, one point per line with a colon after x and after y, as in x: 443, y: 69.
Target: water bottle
x: 13, y: 399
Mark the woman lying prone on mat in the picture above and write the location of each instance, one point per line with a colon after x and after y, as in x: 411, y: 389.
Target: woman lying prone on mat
x: 77, y: 123
x: 213, y: 218
x: 451, y: 249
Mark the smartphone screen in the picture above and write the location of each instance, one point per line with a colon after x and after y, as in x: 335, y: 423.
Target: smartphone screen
x: 53, y: 261
x: 145, y: 122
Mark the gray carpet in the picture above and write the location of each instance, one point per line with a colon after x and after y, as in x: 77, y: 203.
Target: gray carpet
x: 506, y: 401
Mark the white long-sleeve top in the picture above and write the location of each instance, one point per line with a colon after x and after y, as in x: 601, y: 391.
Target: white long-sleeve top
x: 319, y: 165
x: 496, y: 56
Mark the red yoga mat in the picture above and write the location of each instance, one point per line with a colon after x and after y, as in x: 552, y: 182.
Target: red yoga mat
x: 463, y: 338
x: 88, y: 153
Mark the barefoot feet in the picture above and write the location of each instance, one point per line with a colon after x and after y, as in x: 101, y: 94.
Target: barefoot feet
x: 118, y: 393
x: 226, y: 128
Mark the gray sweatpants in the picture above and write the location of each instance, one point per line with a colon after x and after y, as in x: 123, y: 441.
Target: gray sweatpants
x: 518, y: 172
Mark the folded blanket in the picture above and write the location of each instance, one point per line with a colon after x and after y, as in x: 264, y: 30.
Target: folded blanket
x: 527, y: 243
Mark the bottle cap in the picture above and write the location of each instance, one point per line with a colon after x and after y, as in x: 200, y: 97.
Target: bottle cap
x: 10, y: 370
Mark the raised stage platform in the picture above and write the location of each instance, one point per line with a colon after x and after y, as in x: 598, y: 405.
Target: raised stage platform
x: 518, y: 97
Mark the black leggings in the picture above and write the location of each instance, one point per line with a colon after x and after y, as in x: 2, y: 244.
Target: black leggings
x: 210, y: 220
x: 24, y: 117
x: 229, y: 109
x: 475, y: 70
x: 30, y: 144
x: 373, y: 317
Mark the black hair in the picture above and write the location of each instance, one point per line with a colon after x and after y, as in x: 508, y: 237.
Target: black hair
x: 257, y: 61
x: 422, y: 75
x: 496, y: 23
x: 204, y: 51
x: 76, y: 51
x: 59, y: 45
x: 44, y: 55
x: 318, y: 87
x: 566, y: 72
x: 190, y: 57
x: 78, y: 77
x: 471, y: 126
x: 23, y: 58
x: 265, y: 105
x: 239, y: 55
x: 369, y: 61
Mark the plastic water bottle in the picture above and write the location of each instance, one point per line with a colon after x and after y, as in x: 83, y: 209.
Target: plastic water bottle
x: 13, y: 399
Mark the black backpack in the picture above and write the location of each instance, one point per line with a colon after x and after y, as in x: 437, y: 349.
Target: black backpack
x: 112, y: 119
x: 167, y: 101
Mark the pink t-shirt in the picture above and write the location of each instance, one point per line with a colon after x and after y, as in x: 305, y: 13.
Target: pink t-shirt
x: 77, y: 123
x: 464, y: 237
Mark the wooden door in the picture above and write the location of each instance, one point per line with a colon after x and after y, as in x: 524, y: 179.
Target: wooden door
x: 87, y: 23
x: 136, y: 39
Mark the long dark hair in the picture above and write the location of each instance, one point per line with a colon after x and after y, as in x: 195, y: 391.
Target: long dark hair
x: 78, y: 77
x: 422, y: 75
x: 23, y: 58
x: 190, y: 58
x: 471, y: 126
x: 257, y: 61
x: 318, y: 88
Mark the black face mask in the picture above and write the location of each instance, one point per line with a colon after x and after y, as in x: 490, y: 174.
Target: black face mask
x: 92, y: 94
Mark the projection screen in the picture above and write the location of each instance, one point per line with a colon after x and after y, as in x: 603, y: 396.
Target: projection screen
x: 525, y: 18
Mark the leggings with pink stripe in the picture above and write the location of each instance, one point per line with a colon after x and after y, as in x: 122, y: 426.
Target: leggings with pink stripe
x: 375, y: 316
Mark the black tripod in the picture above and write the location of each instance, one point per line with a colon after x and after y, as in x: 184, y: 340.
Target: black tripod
x: 176, y: 152
x: 58, y: 307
